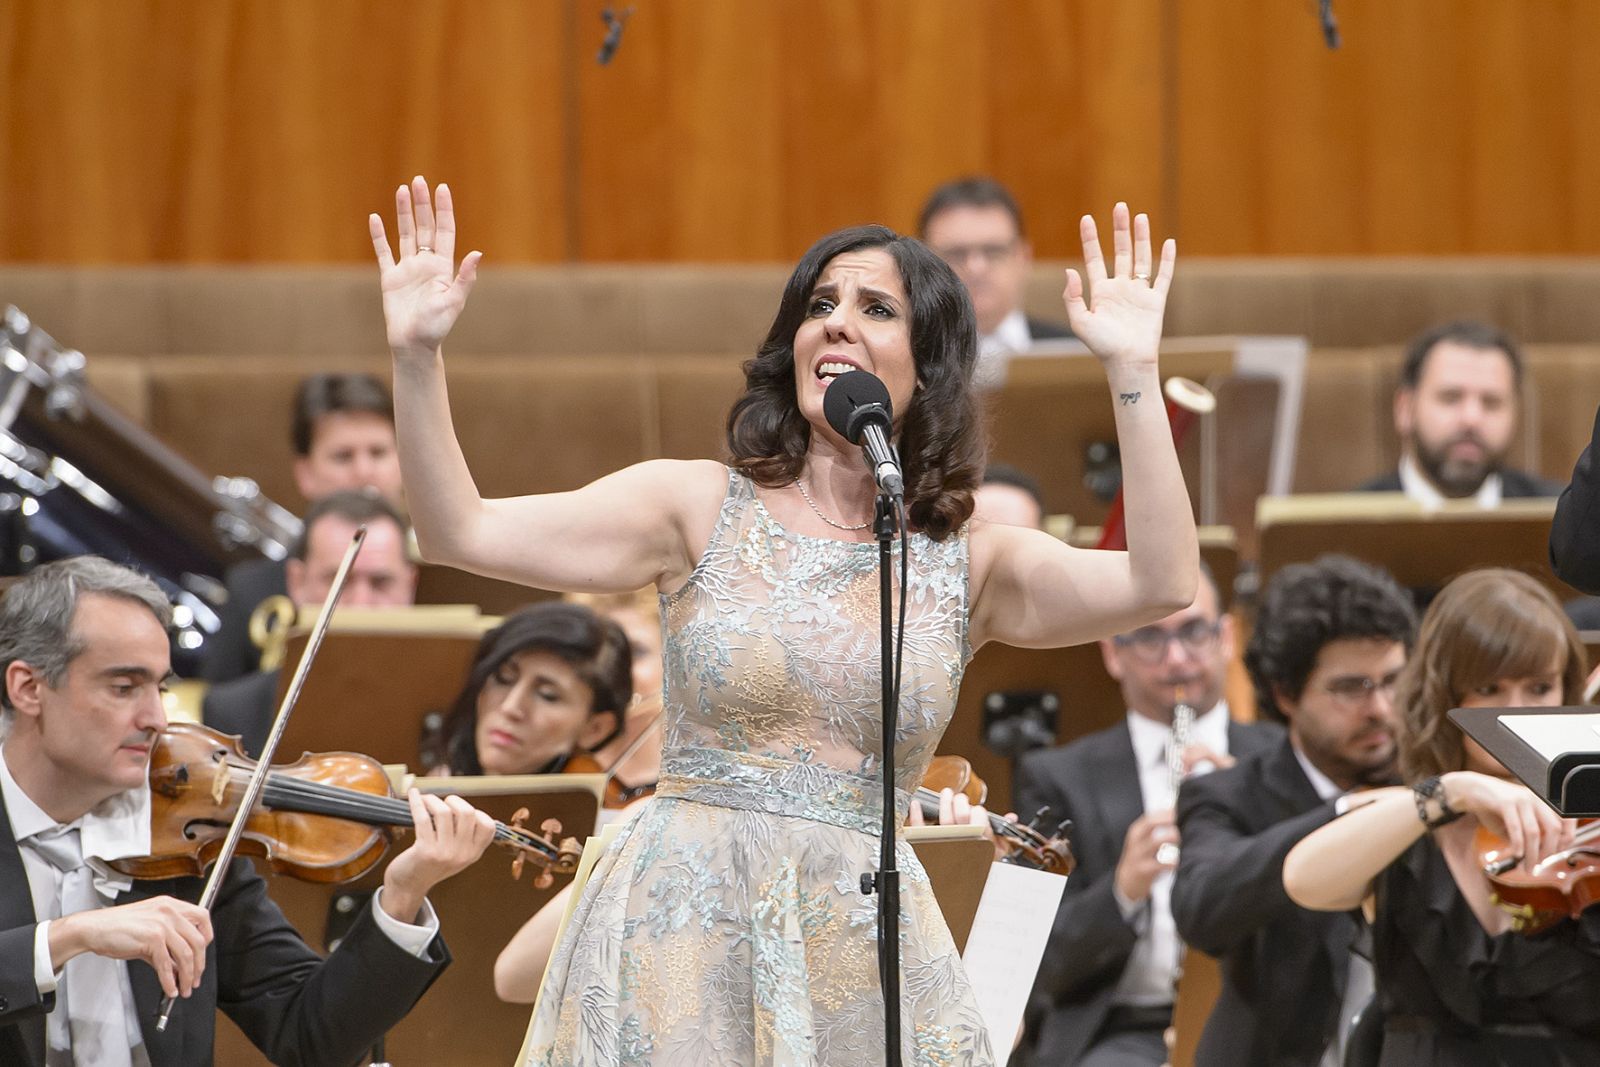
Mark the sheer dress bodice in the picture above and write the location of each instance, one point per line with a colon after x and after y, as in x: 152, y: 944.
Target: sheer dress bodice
x: 725, y: 924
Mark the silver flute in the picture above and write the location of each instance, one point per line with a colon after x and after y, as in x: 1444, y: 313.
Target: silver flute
x: 1177, y: 743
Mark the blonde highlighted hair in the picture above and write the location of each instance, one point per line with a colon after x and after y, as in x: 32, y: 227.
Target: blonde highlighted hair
x: 1485, y: 626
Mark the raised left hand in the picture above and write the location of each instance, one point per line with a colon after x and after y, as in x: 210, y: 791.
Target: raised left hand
x: 450, y: 835
x: 1121, y: 319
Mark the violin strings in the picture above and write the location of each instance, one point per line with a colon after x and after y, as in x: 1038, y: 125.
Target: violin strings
x: 320, y: 798
x: 999, y: 825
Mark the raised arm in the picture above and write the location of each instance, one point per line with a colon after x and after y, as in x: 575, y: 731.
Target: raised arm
x: 1031, y: 590
x: 1333, y: 868
x: 640, y: 526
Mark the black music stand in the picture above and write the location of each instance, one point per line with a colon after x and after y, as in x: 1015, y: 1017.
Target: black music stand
x: 1553, y: 751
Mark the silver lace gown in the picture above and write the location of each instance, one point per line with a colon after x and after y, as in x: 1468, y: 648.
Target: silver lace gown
x: 725, y: 924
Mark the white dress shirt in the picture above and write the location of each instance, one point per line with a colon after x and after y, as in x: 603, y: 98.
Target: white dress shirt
x: 1415, y: 485
x: 1152, y: 969
x: 117, y: 828
x: 996, y: 349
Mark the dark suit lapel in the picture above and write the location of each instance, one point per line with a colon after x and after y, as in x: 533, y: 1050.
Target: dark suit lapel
x: 1120, y: 798
x: 1286, y: 781
x: 16, y: 909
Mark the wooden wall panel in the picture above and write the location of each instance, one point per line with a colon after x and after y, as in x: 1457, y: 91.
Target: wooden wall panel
x: 264, y: 130
x: 1441, y: 126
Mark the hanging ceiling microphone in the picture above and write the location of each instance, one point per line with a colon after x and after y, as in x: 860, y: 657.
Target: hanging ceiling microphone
x: 614, y: 23
x: 859, y: 410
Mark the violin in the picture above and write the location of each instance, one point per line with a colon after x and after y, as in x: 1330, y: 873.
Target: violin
x: 1560, y: 886
x: 615, y: 796
x: 1024, y: 844
x: 324, y: 818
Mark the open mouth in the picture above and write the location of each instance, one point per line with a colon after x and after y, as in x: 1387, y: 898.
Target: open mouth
x: 829, y: 369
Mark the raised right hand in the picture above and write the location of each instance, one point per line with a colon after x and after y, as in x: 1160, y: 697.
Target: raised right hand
x: 421, y: 298
x: 169, y: 934
x: 1530, y: 827
x: 1138, y: 867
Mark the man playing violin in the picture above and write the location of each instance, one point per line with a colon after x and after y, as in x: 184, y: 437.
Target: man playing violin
x: 86, y: 955
x: 1330, y: 640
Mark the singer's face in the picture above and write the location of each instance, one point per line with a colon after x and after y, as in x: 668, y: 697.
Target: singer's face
x: 858, y: 318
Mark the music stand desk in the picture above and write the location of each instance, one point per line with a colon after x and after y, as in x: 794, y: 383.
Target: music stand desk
x: 1422, y: 548
x: 1566, y: 776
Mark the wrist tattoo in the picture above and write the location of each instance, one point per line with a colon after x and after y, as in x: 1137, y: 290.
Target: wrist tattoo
x: 1129, y: 398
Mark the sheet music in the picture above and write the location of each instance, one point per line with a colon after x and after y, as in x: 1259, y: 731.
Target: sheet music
x: 1015, y: 914
x: 1553, y: 736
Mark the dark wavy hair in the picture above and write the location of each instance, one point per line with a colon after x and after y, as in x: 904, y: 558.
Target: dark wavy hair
x: 1485, y: 626
x: 594, y: 647
x: 1308, y: 605
x: 941, y: 435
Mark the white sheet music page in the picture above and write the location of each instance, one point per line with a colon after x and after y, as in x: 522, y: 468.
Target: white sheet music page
x: 1553, y: 736
x: 1007, y: 941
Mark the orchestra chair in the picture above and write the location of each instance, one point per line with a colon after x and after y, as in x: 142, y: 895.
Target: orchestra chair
x: 1199, y: 984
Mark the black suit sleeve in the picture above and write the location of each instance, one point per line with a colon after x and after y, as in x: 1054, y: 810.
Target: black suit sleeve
x: 296, y: 1007
x: 1229, y: 882
x: 1574, y: 536
x: 1090, y: 941
x: 19, y: 994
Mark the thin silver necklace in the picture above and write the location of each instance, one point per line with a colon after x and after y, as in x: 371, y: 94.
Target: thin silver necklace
x: 824, y: 518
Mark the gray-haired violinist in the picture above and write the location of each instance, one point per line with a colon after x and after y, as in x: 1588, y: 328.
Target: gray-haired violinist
x: 1104, y: 992
x: 86, y: 954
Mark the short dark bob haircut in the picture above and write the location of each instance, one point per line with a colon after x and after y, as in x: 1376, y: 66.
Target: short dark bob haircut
x: 941, y: 436
x: 594, y: 647
x: 1309, y: 605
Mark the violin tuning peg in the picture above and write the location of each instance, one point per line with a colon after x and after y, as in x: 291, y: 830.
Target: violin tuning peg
x: 544, y: 881
x: 516, y: 867
x: 519, y: 817
x: 551, y: 828
x: 1033, y: 823
x: 1062, y: 827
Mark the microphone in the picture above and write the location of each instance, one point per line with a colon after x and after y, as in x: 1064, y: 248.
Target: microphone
x: 614, y: 23
x: 859, y: 410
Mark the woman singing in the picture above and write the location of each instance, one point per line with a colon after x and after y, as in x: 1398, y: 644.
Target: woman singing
x: 725, y: 924
x: 1455, y: 986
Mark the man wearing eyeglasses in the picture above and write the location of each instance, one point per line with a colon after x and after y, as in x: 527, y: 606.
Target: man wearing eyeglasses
x: 974, y: 224
x: 1331, y: 638
x: 1103, y: 997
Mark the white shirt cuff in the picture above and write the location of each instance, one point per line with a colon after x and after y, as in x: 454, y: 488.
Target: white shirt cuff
x: 1132, y: 910
x: 413, y: 938
x: 44, y: 976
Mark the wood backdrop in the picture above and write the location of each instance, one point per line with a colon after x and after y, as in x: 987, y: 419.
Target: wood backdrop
x: 139, y: 131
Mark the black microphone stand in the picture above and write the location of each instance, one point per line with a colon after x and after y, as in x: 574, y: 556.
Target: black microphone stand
x: 886, y: 881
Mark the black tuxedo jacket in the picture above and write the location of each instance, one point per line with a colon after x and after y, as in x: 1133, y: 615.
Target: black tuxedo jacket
x: 1575, y: 532
x: 243, y: 706
x: 1047, y: 330
x: 1283, y: 967
x: 296, y: 1007
x: 228, y: 653
x: 1094, y: 782
x: 1514, y: 484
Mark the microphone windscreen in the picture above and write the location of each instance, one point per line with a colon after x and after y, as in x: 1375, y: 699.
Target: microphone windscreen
x: 851, y: 395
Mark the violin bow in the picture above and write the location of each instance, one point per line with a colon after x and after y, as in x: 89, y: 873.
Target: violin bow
x: 258, y: 779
